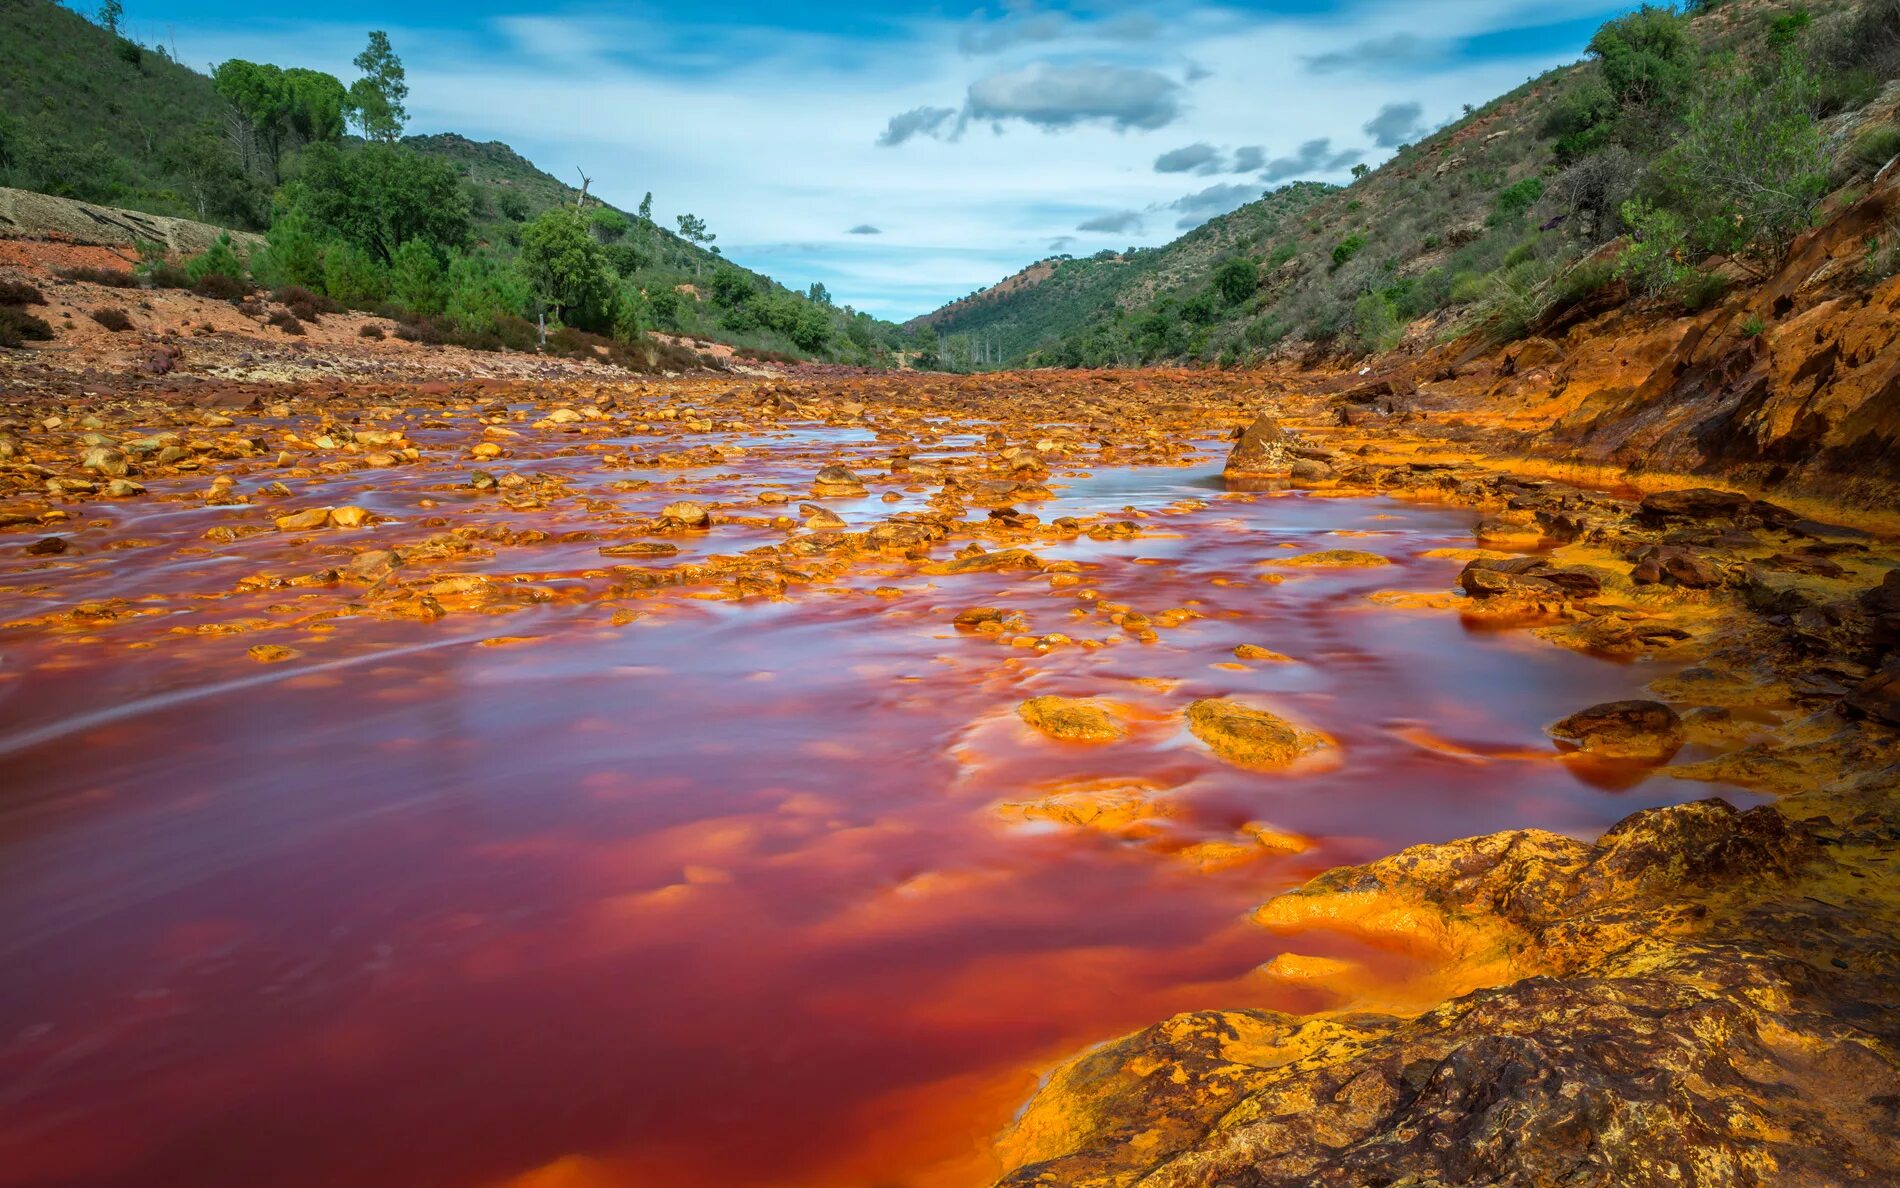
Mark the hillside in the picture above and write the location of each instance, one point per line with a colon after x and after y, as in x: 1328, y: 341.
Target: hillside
x: 1488, y: 214
x: 90, y: 115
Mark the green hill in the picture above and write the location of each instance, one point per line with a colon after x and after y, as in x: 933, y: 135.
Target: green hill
x: 88, y: 114
x: 1486, y: 221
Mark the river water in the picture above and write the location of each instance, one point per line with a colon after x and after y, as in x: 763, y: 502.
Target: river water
x: 719, y: 896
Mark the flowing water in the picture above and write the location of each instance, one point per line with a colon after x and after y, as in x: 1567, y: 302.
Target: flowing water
x: 718, y: 896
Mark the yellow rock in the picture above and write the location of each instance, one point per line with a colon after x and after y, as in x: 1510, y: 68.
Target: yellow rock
x: 1249, y: 737
x: 272, y: 653
x: 1332, y: 559
x: 1072, y: 719
x: 1256, y: 652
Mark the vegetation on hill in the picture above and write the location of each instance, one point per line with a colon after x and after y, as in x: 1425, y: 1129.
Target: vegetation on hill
x: 1701, y: 140
x: 467, y: 242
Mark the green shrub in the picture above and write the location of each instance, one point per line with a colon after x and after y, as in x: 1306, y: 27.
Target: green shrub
x: 417, y: 280
x: 1236, y: 280
x: 1346, y: 249
x: 1750, y: 166
x: 352, y: 277
x: 1586, y: 280
x: 1700, y: 290
x: 220, y: 259
x: 1376, y: 326
x: 482, y: 292
x: 1752, y: 326
x: 1514, y: 200
x: 1652, y: 263
x: 1873, y: 148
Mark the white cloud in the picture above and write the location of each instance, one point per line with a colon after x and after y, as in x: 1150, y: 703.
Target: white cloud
x: 770, y: 134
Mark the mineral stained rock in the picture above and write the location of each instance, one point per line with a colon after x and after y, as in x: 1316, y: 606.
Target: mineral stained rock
x: 1249, y: 737
x: 1672, y: 1022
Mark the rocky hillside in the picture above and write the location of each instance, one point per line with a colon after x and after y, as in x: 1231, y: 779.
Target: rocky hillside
x: 1484, y: 218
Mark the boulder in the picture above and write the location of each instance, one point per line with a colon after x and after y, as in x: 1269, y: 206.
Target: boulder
x: 1263, y: 450
x: 1643, y: 730
x: 1072, y: 719
x: 1249, y: 737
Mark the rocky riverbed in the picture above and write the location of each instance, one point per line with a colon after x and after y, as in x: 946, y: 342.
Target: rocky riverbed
x: 585, y: 781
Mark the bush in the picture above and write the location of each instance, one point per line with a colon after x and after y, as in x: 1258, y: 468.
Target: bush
x: 17, y: 327
x: 1236, y: 280
x: 1346, y: 249
x: 482, y: 292
x: 112, y: 319
x: 371, y: 331
x: 1883, y: 254
x: 1873, y: 148
x: 1514, y: 200
x: 168, y: 276
x: 286, y: 321
x: 220, y: 259
x: 220, y: 286
x: 1700, y: 290
x: 20, y: 293
x: 1750, y: 167
x: 417, y: 280
x: 1652, y: 263
x: 1594, y: 189
x: 1586, y: 280
x: 115, y: 278
x: 352, y: 277
x: 1376, y: 326
x: 1752, y: 326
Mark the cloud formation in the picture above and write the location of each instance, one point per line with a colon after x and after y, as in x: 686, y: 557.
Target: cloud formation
x: 1395, y: 124
x: 1192, y: 158
x: 918, y: 121
x: 1400, y: 49
x: 1204, y: 159
x: 1315, y: 156
x: 1025, y: 25
x: 1199, y: 207
x: 1112, y: 224
x: 865, y: 229
x: 1056, y: 97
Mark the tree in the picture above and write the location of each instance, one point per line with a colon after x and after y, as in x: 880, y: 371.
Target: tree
x: 481, y: 292
x: 258, y: 93
x: 1236, y: 280
x: 609, y: 225
x: 416, y: 278
x: 732, y: 288
x: 563, y: 264
x: 380, y: 197
x: 111, y: 13
x: 1360, y: 170
x: 646, y: 209
x: 314, y: 104
x: 693, y: 229
x: 818, y: 294
x: 376, y: 99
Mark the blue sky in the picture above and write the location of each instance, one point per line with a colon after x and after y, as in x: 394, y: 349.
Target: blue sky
x: 907, y: 153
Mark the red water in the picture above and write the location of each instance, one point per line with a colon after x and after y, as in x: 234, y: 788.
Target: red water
x: 717, y: 897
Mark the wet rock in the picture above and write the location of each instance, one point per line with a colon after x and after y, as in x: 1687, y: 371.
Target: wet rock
x: 640, y: 548
x: 47, y: 546
x: 1262, y: 450
x: 1332, y: 559
x: 1661, y: 565
x: 686, y: 514
x: 1072, y: 719
x: 1646, y: 730
x: 107, y: 461
x: 1876, y: 699
x: 271, y: 653
x: 348, y: 517
x: 1249, y: 737
x: 1256, y: 652
x: 1699, y: 504
x: 307, y: 520
x: 1311, y: 470
x: 837, y: 481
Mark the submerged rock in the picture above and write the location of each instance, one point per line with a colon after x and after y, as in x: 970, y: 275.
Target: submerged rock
x: 1646, y: 730
x: 1249, y: 737
x: 1072, y: 719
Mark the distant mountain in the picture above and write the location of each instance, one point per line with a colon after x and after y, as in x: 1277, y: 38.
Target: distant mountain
x: 1488, y: 214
